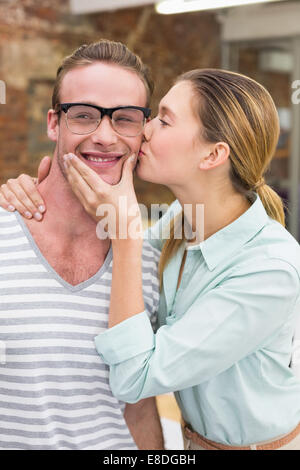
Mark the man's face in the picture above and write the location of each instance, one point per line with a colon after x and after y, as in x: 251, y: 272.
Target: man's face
x: 104, y: 85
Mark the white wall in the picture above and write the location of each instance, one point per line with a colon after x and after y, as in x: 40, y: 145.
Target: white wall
x: 264, y: 21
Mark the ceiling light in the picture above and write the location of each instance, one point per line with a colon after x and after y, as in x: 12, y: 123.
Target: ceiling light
x: 167, y: 7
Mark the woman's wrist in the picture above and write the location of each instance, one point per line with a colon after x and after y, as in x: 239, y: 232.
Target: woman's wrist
x: 127, y: 286
x: 127, y: 246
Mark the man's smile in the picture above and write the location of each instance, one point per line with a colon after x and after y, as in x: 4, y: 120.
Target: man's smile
x: 101, y: 159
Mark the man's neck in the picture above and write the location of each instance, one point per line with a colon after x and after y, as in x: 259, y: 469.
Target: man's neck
x: 64, y: 210
x: 67, y: 234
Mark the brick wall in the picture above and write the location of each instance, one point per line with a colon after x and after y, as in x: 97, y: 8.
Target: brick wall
x: 36, y: 34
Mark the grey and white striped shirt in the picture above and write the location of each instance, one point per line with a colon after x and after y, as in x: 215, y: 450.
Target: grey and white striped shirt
x: 54, y: 390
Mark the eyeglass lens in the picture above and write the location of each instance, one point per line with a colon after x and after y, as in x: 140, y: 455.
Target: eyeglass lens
x: 84, y: 120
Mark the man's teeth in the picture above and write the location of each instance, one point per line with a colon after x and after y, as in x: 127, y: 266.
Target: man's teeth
x: 94, y: 159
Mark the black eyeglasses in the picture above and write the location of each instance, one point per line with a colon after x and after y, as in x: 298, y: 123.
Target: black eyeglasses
x: 127, y: 121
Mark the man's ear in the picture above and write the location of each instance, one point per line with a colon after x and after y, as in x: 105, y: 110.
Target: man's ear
x: 52, y: 125
x: 218, y: 154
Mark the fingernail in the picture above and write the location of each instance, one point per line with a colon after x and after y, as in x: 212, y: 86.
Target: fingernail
x: 38, y: 216
x: 11, y: 208
x: 42, y: 208
x: 28, y: 214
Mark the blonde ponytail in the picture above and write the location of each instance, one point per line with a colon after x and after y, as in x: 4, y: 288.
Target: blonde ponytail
x: 272, y: 203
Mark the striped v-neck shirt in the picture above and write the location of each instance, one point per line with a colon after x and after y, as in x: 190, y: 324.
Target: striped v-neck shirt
x: 54, y: 389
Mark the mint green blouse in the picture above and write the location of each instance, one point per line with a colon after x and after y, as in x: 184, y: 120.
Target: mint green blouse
x: 224, y: 343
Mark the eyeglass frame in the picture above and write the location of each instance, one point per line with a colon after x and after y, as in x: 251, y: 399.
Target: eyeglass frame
x: 103, y: 112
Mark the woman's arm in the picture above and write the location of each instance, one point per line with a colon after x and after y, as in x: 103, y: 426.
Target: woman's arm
x: 220, y: 328
x: 225, y: 325
x: 123, y: 223
x: 126, y: 297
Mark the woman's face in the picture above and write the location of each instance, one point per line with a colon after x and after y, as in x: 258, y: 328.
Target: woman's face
x: 173, y: 146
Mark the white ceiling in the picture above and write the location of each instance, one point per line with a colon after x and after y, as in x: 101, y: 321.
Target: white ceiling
x: 90, y: 6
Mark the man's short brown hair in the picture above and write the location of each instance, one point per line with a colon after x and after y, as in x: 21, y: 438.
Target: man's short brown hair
x: 106, y: 51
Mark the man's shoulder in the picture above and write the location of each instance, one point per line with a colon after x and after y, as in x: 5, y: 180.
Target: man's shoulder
x: 150, y: 260
x: 150, y: 253
x: 159, y: 231
x: 12, y: 242
x: 7, y: 219
x: 6, y: 214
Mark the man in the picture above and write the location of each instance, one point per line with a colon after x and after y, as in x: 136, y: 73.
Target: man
x: 55, y: 275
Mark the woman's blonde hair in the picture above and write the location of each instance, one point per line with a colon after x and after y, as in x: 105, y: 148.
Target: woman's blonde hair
x: 103, y: 51
x: 235, y: 109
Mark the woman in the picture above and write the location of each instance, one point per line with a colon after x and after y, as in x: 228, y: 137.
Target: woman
x: 229, y: 303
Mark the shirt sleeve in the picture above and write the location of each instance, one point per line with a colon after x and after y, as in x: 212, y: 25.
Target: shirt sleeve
x: 223, y: 326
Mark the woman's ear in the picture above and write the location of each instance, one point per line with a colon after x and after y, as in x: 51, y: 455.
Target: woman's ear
x: 218, y: 154
x: 52, y: 125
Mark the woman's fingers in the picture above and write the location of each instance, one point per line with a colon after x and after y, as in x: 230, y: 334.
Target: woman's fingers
x: 81, y: 189
x: 90, y: 177
x: 5, y: 203
x: 21, y: 193
x: 26, y: 189
x: 128, y: 168
x: 11, y: 202
x: 44, y: 168
x: 93, y: 192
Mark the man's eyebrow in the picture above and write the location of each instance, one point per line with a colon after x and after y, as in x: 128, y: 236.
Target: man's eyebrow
x: 82, y: 102
x: 88, y: 102
x: 95, y: 104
